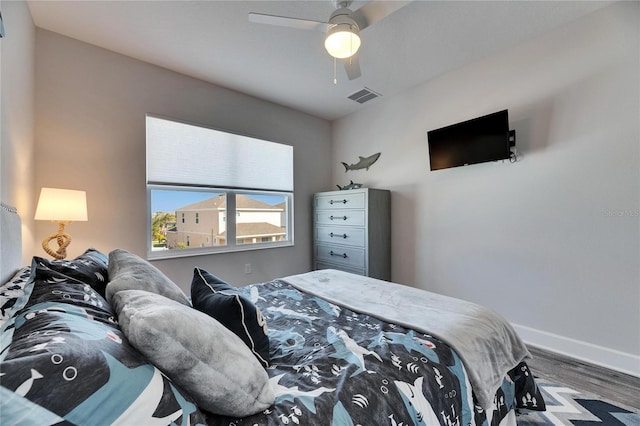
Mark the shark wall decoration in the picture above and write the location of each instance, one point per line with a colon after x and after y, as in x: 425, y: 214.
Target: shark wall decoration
x: 364, y: 163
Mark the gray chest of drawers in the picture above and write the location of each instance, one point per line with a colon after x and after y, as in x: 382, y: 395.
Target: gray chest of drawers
x: 352, y: 231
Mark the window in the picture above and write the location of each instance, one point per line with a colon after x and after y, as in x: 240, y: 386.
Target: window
x: 230, y: 192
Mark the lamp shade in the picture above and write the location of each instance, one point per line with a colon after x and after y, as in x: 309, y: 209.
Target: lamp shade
x: 64, y: 205
x: 342, y: 40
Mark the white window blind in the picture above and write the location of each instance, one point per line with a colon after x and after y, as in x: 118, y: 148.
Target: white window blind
x: 186, y: 154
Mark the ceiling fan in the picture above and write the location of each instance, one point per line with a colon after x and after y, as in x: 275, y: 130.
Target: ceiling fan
x: 342, y: 39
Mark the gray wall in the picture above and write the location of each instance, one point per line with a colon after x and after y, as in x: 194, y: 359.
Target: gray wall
x: 17, y: 67
x: 90, y: 135
x: 551, y: 241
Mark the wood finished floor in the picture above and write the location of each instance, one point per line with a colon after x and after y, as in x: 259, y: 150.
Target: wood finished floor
x: 610, y: 385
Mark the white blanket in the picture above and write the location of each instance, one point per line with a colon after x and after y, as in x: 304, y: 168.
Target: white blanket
x: 486, y: 343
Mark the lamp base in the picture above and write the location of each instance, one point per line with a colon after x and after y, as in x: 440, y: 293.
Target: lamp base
x: 63, y: 240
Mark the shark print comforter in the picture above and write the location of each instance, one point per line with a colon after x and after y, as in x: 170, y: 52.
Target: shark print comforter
x: 334, y: 366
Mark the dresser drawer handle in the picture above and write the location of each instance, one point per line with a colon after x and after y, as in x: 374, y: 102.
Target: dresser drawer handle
x: 338, y: 217
x: 343, y: 255
x: 337, y: 201
x: 337, y: 235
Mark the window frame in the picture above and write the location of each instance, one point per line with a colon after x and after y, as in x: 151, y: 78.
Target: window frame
x: 230, y: 221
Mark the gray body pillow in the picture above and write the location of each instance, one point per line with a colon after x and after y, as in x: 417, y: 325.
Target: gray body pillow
x: 195, y: 351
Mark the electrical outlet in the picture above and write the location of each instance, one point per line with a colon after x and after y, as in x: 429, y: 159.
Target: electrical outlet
x: 247, y: 268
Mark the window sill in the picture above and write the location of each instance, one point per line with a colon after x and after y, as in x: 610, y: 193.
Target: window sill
x: 178, y: 253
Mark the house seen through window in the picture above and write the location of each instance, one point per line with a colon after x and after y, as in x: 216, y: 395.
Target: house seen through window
x: 195, y: 204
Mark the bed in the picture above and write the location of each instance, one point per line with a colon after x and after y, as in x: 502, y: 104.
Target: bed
x: 107, y: 338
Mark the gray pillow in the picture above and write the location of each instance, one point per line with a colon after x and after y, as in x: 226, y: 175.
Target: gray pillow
x: 128, y: 271
x: 195, y: 351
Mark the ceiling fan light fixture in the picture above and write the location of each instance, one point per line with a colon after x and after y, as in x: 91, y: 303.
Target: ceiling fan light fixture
x: 343, y: 36
x: 342, y: 41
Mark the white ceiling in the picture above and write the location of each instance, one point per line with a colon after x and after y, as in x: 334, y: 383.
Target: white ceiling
x: 215, y: 42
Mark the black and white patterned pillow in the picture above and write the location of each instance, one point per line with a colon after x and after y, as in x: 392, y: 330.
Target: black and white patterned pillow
x: 11, y: 292
x: 91, y: 267
x: 221, y: 301
x: 69, y: 362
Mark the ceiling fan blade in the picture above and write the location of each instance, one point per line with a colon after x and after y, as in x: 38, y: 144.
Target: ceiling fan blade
x: 352, y: 67
x: 283, y: 21
x: 374, y: 11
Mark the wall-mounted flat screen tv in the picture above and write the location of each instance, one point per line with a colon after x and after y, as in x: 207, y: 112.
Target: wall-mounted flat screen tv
x: 478, y: 140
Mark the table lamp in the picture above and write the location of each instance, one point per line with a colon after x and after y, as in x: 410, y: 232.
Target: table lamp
x: 63, y: 206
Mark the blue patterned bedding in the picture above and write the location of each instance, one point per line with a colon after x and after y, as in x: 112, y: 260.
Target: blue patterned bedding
x: 334, y: 366
x: 64, y: 359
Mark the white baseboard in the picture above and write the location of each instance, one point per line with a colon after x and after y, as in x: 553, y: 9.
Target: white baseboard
x: 609, y: 358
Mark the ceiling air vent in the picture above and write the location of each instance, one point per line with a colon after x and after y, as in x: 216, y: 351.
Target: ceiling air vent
x: 364, y: 95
